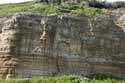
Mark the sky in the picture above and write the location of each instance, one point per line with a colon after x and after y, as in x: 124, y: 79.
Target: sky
x: 17, y: 1
x: 12, y: 1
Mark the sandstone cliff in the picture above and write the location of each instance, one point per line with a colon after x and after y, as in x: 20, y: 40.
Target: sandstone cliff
x: 36, y: 45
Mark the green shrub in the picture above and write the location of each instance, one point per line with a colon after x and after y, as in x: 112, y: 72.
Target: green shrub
x: 44, y: 9
x: 70, y: 7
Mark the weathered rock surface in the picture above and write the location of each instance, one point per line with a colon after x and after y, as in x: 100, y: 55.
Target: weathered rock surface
x: 121, y: 22
x: 35, y: 45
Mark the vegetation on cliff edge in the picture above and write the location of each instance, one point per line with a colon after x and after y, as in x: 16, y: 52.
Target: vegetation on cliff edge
x: 48, y: 9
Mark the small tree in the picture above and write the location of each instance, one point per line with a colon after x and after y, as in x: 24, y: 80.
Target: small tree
x: 92, y: 2
x: 59, y: 2
x: 44, y: 1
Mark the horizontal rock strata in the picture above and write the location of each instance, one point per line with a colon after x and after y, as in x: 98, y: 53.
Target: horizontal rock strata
x: 35, y: 45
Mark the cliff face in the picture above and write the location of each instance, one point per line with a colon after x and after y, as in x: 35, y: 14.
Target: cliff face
x: 35, y: 45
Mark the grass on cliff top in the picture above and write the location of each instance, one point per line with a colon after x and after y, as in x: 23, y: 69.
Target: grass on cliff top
x: 68, y: 79
x: 17, y: 7
x: 78, y: 9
